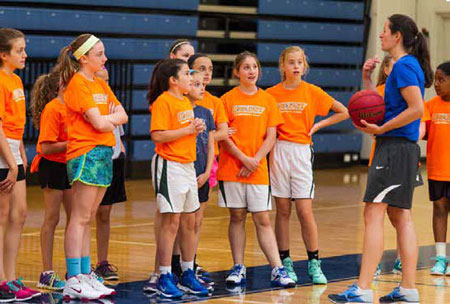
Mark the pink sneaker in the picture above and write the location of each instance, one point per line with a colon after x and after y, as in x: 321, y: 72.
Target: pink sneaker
x: 20, y: 285
x: 20, y: 294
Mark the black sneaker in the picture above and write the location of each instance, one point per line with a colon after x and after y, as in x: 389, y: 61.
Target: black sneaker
x: 106, y: 271
x: 6, y: 295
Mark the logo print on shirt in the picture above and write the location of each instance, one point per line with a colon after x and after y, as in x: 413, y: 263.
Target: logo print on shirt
x: 292, y: 107
x: 441, y: 118
x: 185, y: 116
x: 18, y: 95
x: 244, y: 110
x: 100, y: 98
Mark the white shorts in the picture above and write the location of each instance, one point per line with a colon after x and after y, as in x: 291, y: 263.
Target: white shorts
x: 175, y: 186
x: 14, y: 145
x: 291, y: 173
x: 255, y: 198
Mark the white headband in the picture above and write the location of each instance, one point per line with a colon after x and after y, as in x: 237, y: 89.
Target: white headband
x: 85, y: 47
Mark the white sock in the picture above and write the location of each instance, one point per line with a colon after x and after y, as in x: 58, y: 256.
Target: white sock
x: 187, y: 265
x: 440, y: 249
x: 165, y: 269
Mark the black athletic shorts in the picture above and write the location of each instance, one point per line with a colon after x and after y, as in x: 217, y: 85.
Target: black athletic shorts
x: 116, y: 191
x: 438, y: 189
x: 203, y: 193
x: 53, y: 175
x: 394, y: 172
x: 20, y: 175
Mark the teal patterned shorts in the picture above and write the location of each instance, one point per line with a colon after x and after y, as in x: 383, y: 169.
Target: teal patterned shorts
x: 93, y: 168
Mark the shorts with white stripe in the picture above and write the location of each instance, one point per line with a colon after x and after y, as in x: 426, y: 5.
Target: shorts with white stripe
x: 175, y: 186
x: 394, y: 172
x: 255, y: 198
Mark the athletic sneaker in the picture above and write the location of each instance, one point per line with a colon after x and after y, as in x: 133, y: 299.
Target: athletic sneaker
x: 440, y: 266
x: 189, y: 284
x: 237, y: 275
x: 205, y: 278
x: 77, y: 288
x: 289, y: 266
x: 353, y: 294
x: 199, y: 271
x: 209, y: 286
x: 400, y: 294
x: 5, y: 294
x: 19, y: 284
x: 92, y: 280
x: 397, y: 267
x: 378, y: 271
x: 315, y: 272
x: 150, y: 284
x: 280, y: 278
x: 167, y: 288
x: 107, y: 271
x: 50, y: 280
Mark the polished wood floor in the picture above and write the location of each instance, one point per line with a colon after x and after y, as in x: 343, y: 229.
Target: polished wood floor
x: 337, y: 208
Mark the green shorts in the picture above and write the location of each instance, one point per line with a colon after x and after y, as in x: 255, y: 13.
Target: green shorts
x: 93, y: 168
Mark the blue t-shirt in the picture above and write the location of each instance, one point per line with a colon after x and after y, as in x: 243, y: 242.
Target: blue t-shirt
x: 202, y: 138
x: 406, y: 72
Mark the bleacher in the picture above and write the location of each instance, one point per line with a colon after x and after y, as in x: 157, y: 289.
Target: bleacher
x: 137, y: 33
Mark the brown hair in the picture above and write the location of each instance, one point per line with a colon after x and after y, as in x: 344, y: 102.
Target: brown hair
x: 382, y: 76
x: 289, y: 50
x: 69, y: 65
x: 7, y: 35
x: 240, y: 59
x: 176, y: 45
x: 45, y: 89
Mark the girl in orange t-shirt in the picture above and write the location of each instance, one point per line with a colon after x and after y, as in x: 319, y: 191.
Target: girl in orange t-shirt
x: 438, y: 163
x: 291, y: 160
x: 173, y: 130
x: 243, y: 174
x: 49, y: 117
x: 92, y: 114
x: 13, y: 163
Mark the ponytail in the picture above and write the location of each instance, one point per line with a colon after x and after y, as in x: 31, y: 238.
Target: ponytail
x: 421, y: 52
x: 159, y: 82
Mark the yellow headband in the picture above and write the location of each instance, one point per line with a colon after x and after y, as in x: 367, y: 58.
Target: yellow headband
x: 85, y: 47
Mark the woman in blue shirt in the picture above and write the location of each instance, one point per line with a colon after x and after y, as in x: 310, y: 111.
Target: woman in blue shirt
x: 394, y: 172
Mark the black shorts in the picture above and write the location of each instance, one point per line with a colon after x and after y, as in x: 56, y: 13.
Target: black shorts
x: 438, y: 189
x: 394, y: 172
x: 116, y: 191
x: 20, y: 175
x: 203, y: 193
x: 53, y: 175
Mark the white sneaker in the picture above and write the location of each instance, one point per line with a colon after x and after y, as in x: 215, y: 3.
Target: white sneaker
x: 237, y: 275
x: 96, y: 285
x: 77, y: 288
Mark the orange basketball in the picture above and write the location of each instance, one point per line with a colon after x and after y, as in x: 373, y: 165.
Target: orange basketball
x: 367, y: 105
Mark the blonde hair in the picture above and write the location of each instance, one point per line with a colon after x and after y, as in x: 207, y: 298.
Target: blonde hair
x: 240, y: 59
x: 282, y: 59
x: 382, y: 76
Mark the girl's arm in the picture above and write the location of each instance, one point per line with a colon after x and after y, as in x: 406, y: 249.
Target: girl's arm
x: 202, y: 178
x: 422, y: 130
x: 8, y: 183
x: 48, y: 147
x: 221, y: 133
x: 99, y: 122
x: 341, y: 113
x: 118, y: 116
x: 249, y: 162
x: 23, y: 155
x: 196, y: 126
x: 414, y: 111
x: 368, y: 68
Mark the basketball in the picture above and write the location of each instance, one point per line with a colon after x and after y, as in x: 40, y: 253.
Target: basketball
x: 367, y: 105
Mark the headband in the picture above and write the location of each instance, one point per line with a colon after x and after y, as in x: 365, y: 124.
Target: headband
x: 178, y: 44
x: 85, y: 47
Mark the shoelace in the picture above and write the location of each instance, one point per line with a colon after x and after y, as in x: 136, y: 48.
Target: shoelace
x: 12, y: 286
x: 109, y: 267
x: 236, y: 270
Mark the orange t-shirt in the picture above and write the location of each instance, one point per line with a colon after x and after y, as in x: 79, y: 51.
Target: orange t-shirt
x: 81, y: 95
x: 299, y: 108
x: 438, y: 145
x: 214, y: 104
x: 12, y: 105
x: 53, y: 129
x: 171, y: 113
x: 380, y: 90
x: 250, y: 115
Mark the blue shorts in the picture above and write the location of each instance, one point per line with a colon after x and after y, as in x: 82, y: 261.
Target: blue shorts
x: 93, y: 168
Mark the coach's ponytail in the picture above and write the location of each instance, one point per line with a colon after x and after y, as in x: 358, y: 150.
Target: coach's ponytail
x: 414, y: 43
x: 159, y: 82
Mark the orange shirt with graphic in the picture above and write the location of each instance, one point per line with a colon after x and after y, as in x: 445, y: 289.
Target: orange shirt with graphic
x: 214, y: 104
x: 380, y: 90
x: 171, y: 113
x: 299, y: 108
x: 53, y: 129
x: 12, y: 105
x: 81, y: 95
x: 250, y: 115
x: 438, y: 145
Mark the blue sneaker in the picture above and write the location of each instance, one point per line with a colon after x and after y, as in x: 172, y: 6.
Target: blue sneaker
x: 353, y: 294
x: 378, y: 271
x: 397, y: 267
x: 167, y: 288
x: 189, y: 283
x: 50, y: 280
x: 237, y: 275
x: 440, y: 266
x: 280, y: 278
x: 400, y: 294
